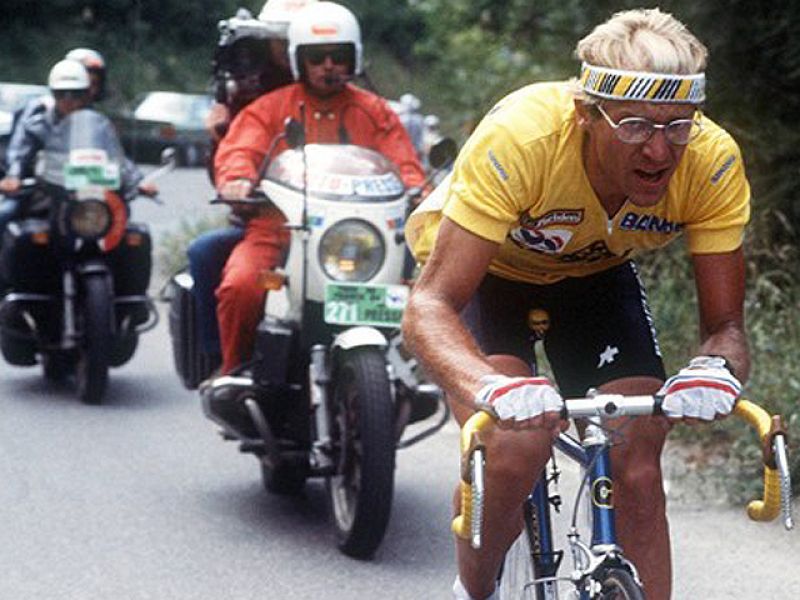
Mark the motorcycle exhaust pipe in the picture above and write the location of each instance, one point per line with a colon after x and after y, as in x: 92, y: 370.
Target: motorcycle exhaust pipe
x: 229, y: 401
x: 222, y: 393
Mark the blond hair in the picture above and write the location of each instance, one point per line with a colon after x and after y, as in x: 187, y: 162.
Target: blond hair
x: 644, y: 40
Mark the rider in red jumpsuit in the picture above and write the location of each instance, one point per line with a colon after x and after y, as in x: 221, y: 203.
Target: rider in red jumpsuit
x: 325, y: 53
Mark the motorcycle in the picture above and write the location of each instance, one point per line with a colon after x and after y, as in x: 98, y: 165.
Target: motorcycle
x: 77, y: 268
x: 330, y: 389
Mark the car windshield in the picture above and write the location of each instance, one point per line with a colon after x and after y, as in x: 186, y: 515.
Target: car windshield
x: 82, y: 150
x: 183, y: 110
x: 14, y: 96
x: 339, y: 172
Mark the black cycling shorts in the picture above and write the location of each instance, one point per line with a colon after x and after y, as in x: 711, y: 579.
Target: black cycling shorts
x: 595, y: 329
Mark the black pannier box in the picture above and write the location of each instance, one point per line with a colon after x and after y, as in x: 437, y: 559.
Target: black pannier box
x: 192, y: 365
x: 28, y: 260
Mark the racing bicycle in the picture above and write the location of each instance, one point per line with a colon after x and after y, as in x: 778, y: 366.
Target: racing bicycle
x: 600, y: 569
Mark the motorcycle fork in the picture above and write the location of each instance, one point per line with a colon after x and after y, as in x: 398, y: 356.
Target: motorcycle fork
x: 318, y: 380
x: 69, y: 336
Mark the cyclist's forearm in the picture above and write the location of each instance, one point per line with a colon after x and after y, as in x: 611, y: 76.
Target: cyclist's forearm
x: 730, y: 341
x: 447, y: 351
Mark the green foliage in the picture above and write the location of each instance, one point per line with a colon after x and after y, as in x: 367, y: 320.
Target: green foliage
x: 147, y: 44
x: 172, y: 250
x: 390, y: 24
x: 772, y: 308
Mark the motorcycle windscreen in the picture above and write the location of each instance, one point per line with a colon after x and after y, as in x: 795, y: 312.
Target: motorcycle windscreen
x: 338, y: 172
x: 82, y: 151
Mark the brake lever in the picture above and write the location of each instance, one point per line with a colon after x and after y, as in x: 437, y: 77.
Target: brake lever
x: 782, y: 462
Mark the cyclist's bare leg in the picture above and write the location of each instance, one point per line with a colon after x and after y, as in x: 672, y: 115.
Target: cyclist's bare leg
x: 516, y: 459
x: 642, y: 527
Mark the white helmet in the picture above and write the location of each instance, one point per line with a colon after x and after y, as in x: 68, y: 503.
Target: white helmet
x: 241, y: 26
x: 68, y: 75
x: 410, y: 102
x: 91, y: 59
x: 277, y: 14
x: 324, y: 23
x: 431, y: 121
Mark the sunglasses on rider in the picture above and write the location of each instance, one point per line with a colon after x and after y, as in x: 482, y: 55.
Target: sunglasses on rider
x: 73, y: 94
x: 339, y: 55
x: 637, y: 130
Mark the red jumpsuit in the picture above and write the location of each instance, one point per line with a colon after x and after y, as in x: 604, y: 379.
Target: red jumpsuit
x: 364, y: 118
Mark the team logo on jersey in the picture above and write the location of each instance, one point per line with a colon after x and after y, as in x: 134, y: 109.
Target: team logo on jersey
x: 546, y: 241
x: 554, y: 217
x: 723, y: 169
x: 595, y: 251
x: 533, y: 233
x: 498, y: 166
x: 636, y: 222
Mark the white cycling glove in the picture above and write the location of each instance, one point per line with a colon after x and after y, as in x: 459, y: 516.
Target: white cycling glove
x: 703, y: 390
x: 518, y: 398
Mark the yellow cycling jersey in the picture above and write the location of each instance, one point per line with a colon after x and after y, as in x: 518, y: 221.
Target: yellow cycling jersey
x: 520, y: 181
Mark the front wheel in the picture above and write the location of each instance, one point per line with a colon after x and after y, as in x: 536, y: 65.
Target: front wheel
x: 516, y: 580
x: 363, y: 434
x: 95, y: 347
x: 619, y: 584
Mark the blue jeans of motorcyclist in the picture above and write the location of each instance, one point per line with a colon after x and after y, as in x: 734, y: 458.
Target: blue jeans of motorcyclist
x: 9, y: 209
x: 208, y: 254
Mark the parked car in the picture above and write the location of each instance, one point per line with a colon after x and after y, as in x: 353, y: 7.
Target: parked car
x: 162, y: 119
x: 13, y: 96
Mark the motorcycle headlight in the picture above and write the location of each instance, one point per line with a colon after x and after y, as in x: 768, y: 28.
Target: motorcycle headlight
x: 351, y: 250
x: 90, y: 219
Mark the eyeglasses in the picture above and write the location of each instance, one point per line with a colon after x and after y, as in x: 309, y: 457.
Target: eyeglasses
x: 340, y: 55
x: 73, y: 94
x: 637, y: 130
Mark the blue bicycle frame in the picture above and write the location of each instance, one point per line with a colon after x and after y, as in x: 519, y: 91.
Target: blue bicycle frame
x: 594, y: 457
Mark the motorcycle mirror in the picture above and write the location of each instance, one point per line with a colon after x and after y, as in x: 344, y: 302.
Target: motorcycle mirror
x: 295, y: 134
x: 168, y: 155
x: 442, y: 153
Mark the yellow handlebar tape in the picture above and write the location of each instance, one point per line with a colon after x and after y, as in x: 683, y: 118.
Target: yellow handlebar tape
x: 470, y: 440
x: 770, y: 507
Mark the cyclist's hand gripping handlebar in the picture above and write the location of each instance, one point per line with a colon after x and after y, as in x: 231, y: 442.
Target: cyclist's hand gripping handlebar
x: 467, y: 525
x: 777, y: 482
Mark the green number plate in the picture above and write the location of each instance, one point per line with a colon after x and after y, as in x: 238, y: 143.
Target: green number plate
x: 81, y: 176
x: 364, y: 304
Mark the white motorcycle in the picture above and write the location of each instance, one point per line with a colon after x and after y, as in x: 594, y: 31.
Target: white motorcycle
x: 329, y: 391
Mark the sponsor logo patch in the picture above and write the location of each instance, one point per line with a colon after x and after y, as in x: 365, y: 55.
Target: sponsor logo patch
x: 546, y: 241
x: 554, y: 217
x: 636, y: 222
x: 533, y: 233
x: 723, y: 169
x: 497, y: 166
x: 593, y: 252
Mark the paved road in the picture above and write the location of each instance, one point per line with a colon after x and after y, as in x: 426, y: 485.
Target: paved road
x: 138, y: 499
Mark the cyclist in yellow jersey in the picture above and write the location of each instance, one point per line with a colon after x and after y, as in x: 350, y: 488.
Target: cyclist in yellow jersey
x: 532, y: 237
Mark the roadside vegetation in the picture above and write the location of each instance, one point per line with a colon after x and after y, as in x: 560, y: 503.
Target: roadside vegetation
x: 460, y: 57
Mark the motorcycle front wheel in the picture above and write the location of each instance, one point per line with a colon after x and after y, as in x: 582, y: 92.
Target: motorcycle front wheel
x: 363, y: 433
x: 95, y: 348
